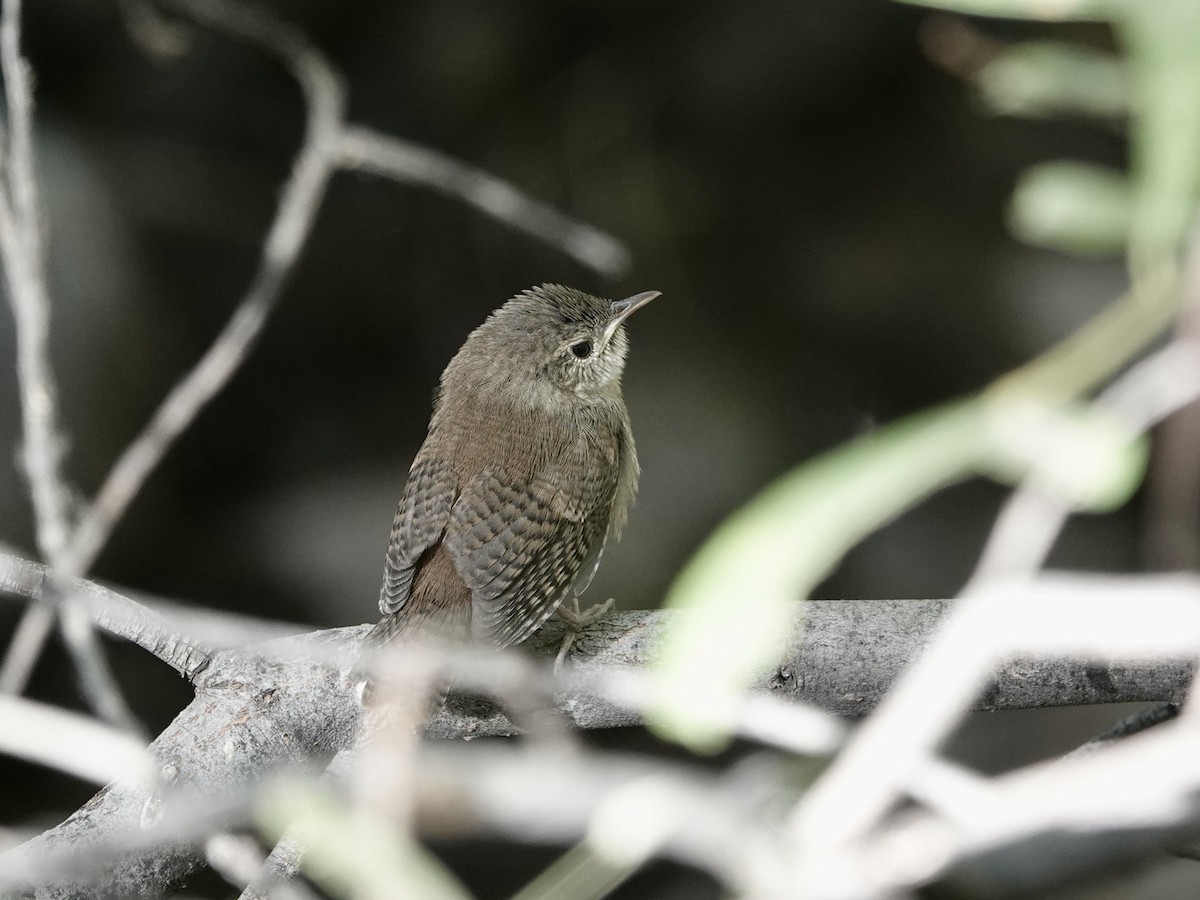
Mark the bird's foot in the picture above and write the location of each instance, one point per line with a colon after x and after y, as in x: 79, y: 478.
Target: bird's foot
x: 580, y: 620
x: 576, y: 622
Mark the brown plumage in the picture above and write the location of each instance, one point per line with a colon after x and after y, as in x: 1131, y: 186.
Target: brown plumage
x: 528, y: 466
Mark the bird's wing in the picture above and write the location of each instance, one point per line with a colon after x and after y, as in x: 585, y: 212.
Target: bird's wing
x: 521, y: 547
x: 421, y: 518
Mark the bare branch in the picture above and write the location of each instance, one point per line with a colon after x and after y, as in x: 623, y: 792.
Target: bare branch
x: 25, y: 647
x: 233, y: 734
x: 1040, y: 824
x: 113, y: 612
x: 1140, y: 721
x: 239, y: 860
x: 279, y: 868
x: 54, y: 737
x: 21, y: 249
x: 293, y: 218
x: 368, y: 150
x: 868, y: 778
x: 42, y: 445
x: 466, y: 789
x: 1076, y: 616
x: 20, y: 245
x: 1031, y: 520
x: 92, y: 674
x: 329, y: 143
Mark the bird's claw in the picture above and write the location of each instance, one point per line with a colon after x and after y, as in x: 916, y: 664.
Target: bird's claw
x: 576, y: 622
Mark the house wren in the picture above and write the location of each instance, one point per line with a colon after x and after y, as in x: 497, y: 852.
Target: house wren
x: 528, y: 466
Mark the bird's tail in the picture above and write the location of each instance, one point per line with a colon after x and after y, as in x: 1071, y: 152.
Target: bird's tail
x: 400, y: 633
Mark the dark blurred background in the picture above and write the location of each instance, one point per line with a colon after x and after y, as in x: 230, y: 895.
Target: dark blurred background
x: 821, y: 206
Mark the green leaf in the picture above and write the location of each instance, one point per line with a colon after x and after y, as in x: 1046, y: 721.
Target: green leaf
x: 1048, y: 10
x: 1162, y: 42
x: 1044, y: 78
x: 351, y: 852
x: 737, y: 593
x: 1072, y: 206
x: 1085, y: 456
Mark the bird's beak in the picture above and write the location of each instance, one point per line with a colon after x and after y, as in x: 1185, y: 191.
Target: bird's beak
x: 623, y: 309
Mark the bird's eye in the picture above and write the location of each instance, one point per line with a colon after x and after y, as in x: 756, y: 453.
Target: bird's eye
x: 581, y: 349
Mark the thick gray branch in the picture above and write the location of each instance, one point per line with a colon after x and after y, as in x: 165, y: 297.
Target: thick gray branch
x: 293, y: 702
x: 253, y: 715
x: 850, y: 652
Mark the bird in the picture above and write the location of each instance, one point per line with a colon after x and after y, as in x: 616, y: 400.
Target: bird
x: 528, y: 467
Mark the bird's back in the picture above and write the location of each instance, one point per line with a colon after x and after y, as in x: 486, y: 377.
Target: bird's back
x: 529, y: 501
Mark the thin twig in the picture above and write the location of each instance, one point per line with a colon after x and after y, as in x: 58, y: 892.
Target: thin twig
x: 1159, y: 386
x: 53, y: 737
x: 485, y: 788
x: 92, y: 674
x: 298, y: 205
x: 887, y: 748
x: 238, y: 859
x: 368, y: 150
x: 21, y: 249
x: 21, y: 246
x: 278, y: 869
x: 1030, y: 522
x: 301, y: 197
x: 25, y: 648
x: 1052, y: 617
x: 42, y: 443
x: 329, y: 143
x: 1133, y: 724
x: 629, y: 827
x: 1048, y: 819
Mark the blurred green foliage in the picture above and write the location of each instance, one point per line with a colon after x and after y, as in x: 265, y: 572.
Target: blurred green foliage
x: 1072, y: 206
x: 1044, y: 78
x: 736, y: 593
x: 348, y: 851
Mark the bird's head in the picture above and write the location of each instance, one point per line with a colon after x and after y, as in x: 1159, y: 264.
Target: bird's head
x: 552, y: 338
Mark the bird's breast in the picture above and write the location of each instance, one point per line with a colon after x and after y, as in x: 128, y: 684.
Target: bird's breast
x: 477, y: 434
